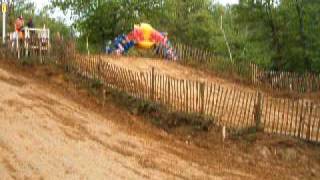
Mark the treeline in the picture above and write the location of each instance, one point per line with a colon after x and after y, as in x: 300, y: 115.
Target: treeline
x: 276, y: 34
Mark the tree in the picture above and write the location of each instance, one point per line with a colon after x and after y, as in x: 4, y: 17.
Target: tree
x: 276, y: 34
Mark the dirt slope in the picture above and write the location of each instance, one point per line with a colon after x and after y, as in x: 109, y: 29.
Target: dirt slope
x: 237, y: 95
x: 49, y: 131
x: 172, y: 69
x: 46, y: 136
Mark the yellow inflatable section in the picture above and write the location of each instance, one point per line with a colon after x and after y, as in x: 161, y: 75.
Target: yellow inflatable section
x: 147, y: 30
x: 145, y: 44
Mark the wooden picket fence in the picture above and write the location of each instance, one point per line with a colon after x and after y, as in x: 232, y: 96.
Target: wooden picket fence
x: 234, y: 108
x: 248, y: 72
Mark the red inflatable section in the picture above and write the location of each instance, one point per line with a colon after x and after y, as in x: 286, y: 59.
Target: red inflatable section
x: 157, y: 37
x: 145, y: 36
x: 136, y: 35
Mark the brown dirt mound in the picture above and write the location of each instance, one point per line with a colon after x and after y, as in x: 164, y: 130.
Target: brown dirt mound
x: 49, y: 129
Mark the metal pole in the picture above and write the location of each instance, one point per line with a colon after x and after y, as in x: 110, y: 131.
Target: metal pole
x: 225, y: 38
x: 88, y: 46
x: 4, y: 28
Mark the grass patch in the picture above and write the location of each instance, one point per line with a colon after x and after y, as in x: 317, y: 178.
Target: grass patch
x: 247, y: 134
x: 158, y: 114
x: 28, y: 61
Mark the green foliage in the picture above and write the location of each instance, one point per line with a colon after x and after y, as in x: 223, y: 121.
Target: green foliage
x: 282, y: 35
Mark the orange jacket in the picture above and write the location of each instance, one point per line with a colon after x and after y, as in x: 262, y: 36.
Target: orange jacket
x: 18, y: 25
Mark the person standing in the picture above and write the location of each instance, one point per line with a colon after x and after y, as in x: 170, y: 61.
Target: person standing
x: 32, y: 33
x: 30, y: 23
x: 18, y: 25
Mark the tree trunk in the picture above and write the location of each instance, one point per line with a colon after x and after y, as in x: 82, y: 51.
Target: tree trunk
x: 303, y: 38
x: 275, y: 36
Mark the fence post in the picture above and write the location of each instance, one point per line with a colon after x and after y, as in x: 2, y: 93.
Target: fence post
x: 169, y: 92
x: 202, y: 88
x: 103, y: 95
x: 301, y: 122
x: 309, y: 132
x: 258, y: 112
x: 100, y: 71
x: 152, y: 84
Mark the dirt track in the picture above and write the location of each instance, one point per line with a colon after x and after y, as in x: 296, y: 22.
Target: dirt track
x: 172, y: 69
x: 48, y: 131
x: 237, y: 97
x: 46, y: 136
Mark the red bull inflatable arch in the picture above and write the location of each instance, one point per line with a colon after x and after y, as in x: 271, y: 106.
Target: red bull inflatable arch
x: 143, y: 36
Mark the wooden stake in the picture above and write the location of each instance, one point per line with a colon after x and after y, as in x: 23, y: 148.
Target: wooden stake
x: 202, y: 86
x: 152, y: 84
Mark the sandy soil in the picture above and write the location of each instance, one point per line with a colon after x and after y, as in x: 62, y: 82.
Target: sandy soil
x: 49, y: 131
x: 172, y: 69
x: 46, y: 136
